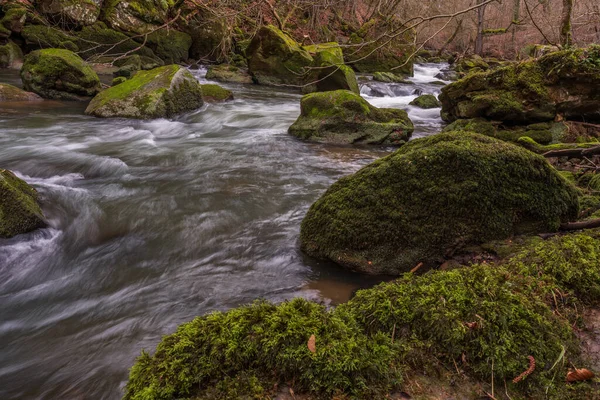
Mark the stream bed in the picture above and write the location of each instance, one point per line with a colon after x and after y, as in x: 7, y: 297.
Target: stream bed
x: 155, y: 222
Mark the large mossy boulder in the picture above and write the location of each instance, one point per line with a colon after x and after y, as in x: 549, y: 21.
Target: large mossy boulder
x: 76, y: 13
x: 563, y: 83
x: 274, y: 58
x: 228, y: 73
x: 12, y: 93
x: 59, y: 74
x: 169, y: 45
x: 47, y: 37
x: 343, y: 117
x: 11, y: 55
x: 136, y: 16
x: 432, y: 198
x: 159, y: 93
x: 19, y: 208
x: 98, y: 40
x: 328, y: 70
x: 210, y: 33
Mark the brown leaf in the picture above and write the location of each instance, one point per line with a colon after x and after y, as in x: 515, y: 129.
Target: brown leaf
x: 579, y: 375
x: 312, y: 346
x: 472, y: 325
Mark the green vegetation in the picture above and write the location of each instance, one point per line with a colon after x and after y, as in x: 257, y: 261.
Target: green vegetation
x: 19, y: 208
x: 432, y: 198
x: 344, y: 117
x: 215, y: 93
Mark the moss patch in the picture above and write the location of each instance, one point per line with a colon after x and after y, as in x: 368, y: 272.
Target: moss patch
x: 228, y: 73
x: 19, y: 208
x: 215, y: 93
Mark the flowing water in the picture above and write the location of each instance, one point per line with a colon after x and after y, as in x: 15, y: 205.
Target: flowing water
x: 152, y: 223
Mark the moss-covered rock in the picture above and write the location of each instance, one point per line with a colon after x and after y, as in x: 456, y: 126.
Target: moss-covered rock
x: 19, y: 208
x: 211, y: 35
x: 228, y: 73
x: 482, y: 321
x: 538, y: 90
x: 276, y: 58
x: 426, y: 101
x: 136, y: 16
x: 72, y: 12
x: 169, y: 45
x: 47, y: 37
x: 328, y: 70
x: 215, y: 93
x: 59, y: 74
x: 159, y: 93
x: 389, y: 77
x: 98, y: 39
x: 15, y: 15
x: 466, y: 65
x: 433, y: 197
x: 11, y: 55
x: 372, y: 50
x: 543, y: 133
x: 12, y: 93
x: 118, y: 80
x: 344, y: 117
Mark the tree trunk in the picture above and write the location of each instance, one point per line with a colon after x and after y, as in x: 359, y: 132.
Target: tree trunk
x: 566, y: 34
x: 479, y: 38
x: 515, y: 25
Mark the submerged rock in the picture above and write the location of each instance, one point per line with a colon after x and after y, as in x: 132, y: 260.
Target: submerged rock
x: 59, y: 74
x: 19, y: 208
x: 432, y: 198
x: 426, y: 101
x: 159, y: 93
x: 215, y: 93
x: 344, y: 117
x: 274, y: 58
x: 11, y: 55
x: 562, y: 83
x: 12, y: 93
x: 228, y: 73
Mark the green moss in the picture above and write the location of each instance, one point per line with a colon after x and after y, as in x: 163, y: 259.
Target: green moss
x: 228, y: 73
x: 433, y: 197
x: 19, y: 208
x: 344, y: 117
x: 170, y: 45
x: 426, y: 101
x: 159, y: 93
x: 215, y: 93
x: 534, y: 146
x: 59, y: 74
x: 10, y: 55
x: 42, y: 37
x: 328, y: 71
x: 98, y: 39
x: 118, y: 80
x: 389, y: 77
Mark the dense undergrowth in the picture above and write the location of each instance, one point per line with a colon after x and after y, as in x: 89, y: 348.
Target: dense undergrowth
x: 480, y: 320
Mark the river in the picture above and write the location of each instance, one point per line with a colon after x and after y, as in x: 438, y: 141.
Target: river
x: 152, y: 223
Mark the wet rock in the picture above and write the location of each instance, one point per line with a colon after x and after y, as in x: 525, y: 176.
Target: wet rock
x: 470, y: 189
x: 11, y: 56
x: 20, y: 211
x: 228, y: 73
x: 12, y: 93
x: 330, y: 72
x: 159, y: 93
x: 59, y: 74
x: 447, y: 75
x: 215, y: 94
x: 389, y: 77
x: 426, y: 101
x: 343, y: 117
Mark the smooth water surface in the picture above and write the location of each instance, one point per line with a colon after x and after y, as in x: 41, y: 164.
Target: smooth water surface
x: 155, y: 222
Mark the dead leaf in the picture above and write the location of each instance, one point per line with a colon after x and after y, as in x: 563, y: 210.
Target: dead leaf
x: 312, y: 346
x: 579, y: 375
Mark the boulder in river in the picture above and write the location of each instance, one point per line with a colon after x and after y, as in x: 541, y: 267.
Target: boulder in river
x: 19, y: 208
x: 432, y: 198
x: 426, y: 101
x: 343, y: 117
x: 215, y: 93
x: 276, y: 58
x: 59, y: 74
x: 329, y: 71
x: 11, y: 55
x: 564, y: 83
x: 12, y: 93
x: 228, y: 73
x: 390, y: 77
x: 159, y: 93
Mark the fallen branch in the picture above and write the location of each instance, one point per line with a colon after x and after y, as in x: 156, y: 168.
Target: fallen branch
x: 575, y: 226
x: 573, y: 153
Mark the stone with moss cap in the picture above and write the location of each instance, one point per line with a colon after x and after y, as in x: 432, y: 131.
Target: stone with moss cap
x: 214, y: 93
x: 12, y: 93
x: 433, y: 197
x: 328, y: 70
x: 47, y: 37
x: 11, y: 55
x: 19, y: 208
x: 426, y: 101
x: 98, y: 39
x: 136, y: 16
x: 228, y: 73
x: 276, y: 58
x: 159, y: 93
x: 563, y: 82
x: 76, y: 13
x: 343, y: 117
x: 59, y: 74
